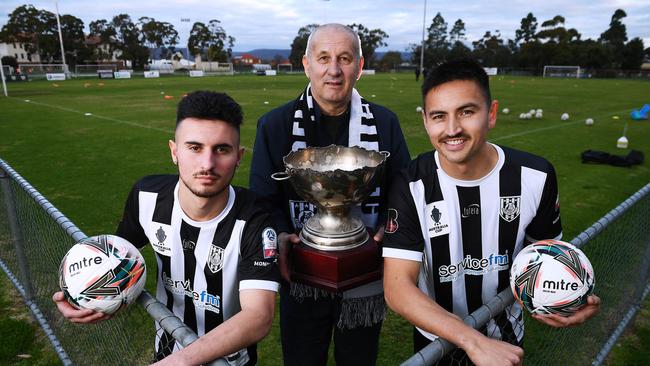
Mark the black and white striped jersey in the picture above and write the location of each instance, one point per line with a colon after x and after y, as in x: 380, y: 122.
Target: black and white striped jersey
x: 202, y: 266
x: 469, y: 231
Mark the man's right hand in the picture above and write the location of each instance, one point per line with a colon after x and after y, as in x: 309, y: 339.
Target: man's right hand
x: 80, y: 316
x: 286, y: 243
x: 486, y: 351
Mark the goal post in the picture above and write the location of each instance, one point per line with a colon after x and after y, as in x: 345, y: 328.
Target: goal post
x: 552, y: 71
x: 92, y: 69
x: 41, y: 70
x: 217, y: 68
x: 284, y: 68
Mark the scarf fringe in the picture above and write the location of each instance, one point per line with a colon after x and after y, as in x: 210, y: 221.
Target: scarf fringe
x: 362, y: 312
x: 301, y: 291
x: 355, y: 312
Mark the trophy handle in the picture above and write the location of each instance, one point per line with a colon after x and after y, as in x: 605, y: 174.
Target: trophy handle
x: 385, y: 154
x: 279, y: 176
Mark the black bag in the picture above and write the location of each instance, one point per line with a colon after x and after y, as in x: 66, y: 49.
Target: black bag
x: 634, y: 157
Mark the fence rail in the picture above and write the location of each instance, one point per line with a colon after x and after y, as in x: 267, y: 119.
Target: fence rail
x: 37, y: 281
x: 34, y: 236
x: 618, y: 320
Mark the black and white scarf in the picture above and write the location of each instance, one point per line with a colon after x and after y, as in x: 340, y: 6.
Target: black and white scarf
x: 362, y: 306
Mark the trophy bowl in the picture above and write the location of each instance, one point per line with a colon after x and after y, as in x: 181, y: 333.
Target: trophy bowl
x: 334, y: 178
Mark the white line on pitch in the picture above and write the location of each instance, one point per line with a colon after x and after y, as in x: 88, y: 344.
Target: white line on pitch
x: 535, y: 130
x: 547, y: 128
x: 165, y: 130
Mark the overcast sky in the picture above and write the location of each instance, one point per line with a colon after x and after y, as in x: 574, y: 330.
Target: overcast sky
x: 274, y: 24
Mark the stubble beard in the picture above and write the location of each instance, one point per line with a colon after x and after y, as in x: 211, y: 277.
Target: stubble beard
x: 206, y: 192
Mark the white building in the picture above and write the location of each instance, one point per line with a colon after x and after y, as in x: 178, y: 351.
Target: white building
x: 17, y: 50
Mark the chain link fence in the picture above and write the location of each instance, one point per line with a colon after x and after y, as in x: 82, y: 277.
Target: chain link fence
x: 34, y: 237
x: 618, y: 246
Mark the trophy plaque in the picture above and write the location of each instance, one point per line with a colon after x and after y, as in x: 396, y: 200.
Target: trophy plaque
x: 336, y: 251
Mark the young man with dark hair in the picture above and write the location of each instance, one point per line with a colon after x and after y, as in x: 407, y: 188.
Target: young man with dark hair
x: 214, y: 243
x: 329, y: 111
x: 469, y: 201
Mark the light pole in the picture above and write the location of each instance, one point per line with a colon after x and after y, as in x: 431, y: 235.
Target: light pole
x: 424, y: 19
x: 58, y: 23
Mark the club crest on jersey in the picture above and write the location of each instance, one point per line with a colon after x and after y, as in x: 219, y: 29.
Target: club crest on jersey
x: 269, y: 243
x: 391, y: 222
x: 300, y: 212
x: 215, y: 259
x: 159, y: 245
x: 509, y: 207
x: 437, y: 218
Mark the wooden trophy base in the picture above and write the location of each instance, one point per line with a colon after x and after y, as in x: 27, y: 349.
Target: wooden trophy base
x: 336, y: 271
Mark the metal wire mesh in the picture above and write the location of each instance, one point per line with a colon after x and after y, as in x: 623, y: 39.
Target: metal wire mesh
x: 618, y: 246
x: 127, y: 339
x: 34, y: 236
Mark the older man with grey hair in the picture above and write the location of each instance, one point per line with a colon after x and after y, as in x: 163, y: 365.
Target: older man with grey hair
x: 329, y: 111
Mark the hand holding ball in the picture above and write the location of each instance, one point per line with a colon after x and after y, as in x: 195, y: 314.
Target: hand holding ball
x: 552, y: 277
x: 103, y: 273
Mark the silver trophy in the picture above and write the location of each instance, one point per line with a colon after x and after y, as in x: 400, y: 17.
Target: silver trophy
x: 335, y: 179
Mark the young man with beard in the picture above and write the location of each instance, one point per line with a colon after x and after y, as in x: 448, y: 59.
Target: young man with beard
x: 214, y: 243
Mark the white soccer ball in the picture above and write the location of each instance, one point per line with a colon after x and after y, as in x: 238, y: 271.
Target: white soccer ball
x: 532, y: 112
x: 564, y: 117
x: 552, y: 277
x: 538, y: 115
x: 418, y: 109
x: 539, y: 111
x: 506, y: 111
x: 522, y: 115
x: 529, y: 115
x: 589, y: 121
x: 103, y: 273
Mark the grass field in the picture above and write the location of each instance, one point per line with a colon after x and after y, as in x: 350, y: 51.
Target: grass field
x: 86, y: 164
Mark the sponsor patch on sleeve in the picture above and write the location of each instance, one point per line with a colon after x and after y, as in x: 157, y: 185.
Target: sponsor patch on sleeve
x: 269, y: 243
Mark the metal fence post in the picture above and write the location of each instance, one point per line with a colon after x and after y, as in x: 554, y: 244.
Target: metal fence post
x: 16, y: 234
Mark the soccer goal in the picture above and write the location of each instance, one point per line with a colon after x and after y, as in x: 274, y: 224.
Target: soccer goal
x: 561, y: 71
x: 284, y: 68
x: 91, y: 70
x: 41, y: 70
x: 217, y: 68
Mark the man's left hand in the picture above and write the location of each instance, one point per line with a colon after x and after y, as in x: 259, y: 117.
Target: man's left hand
x: 379, y: 235
x: 557, y: 321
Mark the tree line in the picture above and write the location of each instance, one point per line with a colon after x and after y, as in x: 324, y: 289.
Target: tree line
x: 128, y: 39
x: 533, y: 46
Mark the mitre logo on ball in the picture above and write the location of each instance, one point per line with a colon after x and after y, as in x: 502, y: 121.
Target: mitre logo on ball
x: 104, y: 273
x: 552, y: 277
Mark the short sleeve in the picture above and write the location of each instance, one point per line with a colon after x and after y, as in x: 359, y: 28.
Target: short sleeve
x: 258, y: 268
x: 547, y: 224
x: 129, y: 227
x: 403, y: 234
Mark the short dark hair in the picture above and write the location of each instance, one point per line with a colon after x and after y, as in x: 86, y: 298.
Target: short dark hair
x: 210, y: 105
x: 460, y: 69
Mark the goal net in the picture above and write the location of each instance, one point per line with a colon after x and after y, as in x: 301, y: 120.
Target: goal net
x: 41, y: 70
x: 284, y: 68
x: 217, y: 68
x: 92, y: 69
x: 561, y: 71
